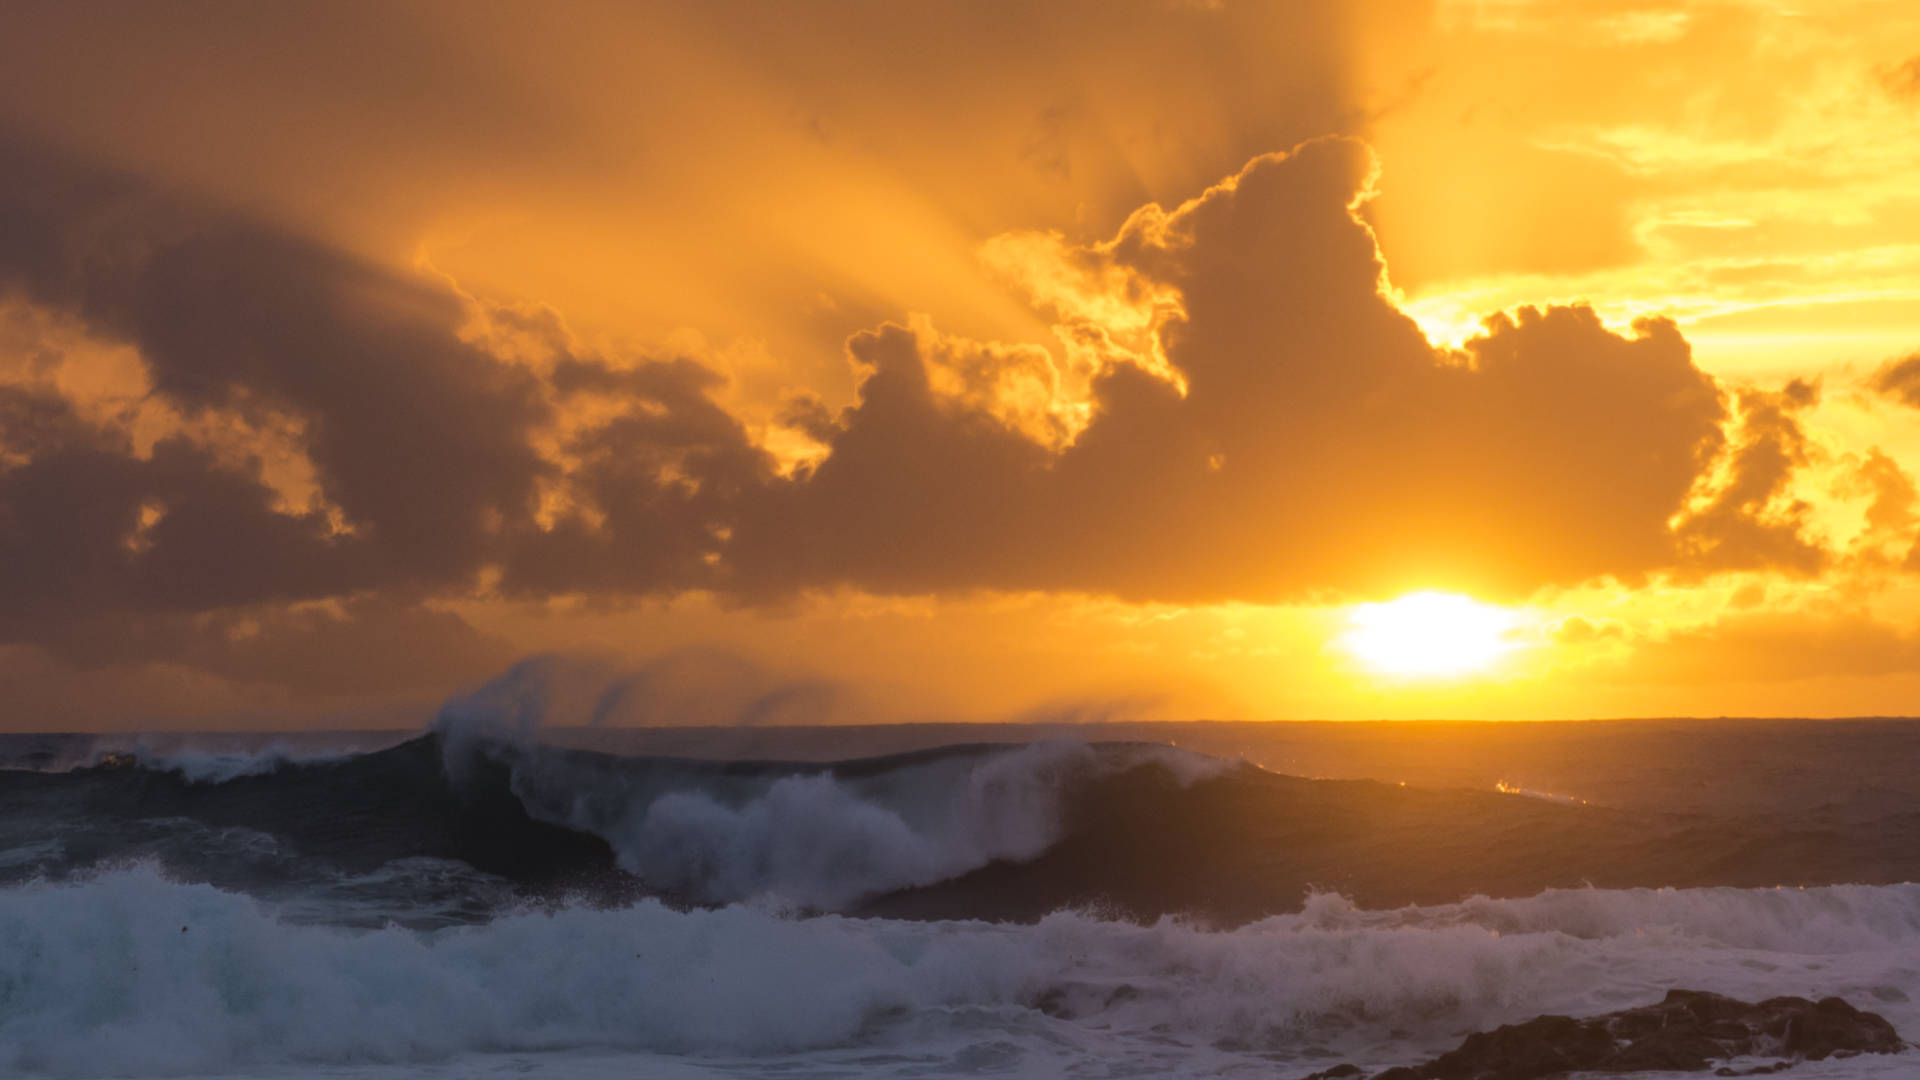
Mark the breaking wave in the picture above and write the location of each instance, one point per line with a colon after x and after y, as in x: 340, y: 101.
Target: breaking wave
x: 796, y: 836
x: 128, y: 972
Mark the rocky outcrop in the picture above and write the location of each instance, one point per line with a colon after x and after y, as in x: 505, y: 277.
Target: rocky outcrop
x: 1688, y: 1030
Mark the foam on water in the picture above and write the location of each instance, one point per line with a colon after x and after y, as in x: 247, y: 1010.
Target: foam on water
x: 132, y: 974
x: 820, y: 841
x: 809, y: 839
x: 814, y: 841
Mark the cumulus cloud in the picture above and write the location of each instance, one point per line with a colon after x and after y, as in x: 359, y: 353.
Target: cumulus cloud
x: 1892, y: 515
x: 1303, y: 438
x: 420, y: 438
x: 424, y: 439
x: 425, y: 444
x: 1747, y: 517
x: 1235, y: 408
x: 88, y: 527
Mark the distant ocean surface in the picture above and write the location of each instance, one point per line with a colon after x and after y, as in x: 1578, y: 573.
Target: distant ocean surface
x: 1240, y: 900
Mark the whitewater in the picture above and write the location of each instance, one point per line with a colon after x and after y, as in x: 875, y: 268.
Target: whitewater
x: 472, y: 902
x: 131, y: 974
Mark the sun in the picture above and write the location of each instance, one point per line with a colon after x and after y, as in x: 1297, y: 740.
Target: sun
x: 1429, y: 635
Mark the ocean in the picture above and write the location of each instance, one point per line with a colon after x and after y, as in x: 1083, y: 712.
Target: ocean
x: 1203, y: 899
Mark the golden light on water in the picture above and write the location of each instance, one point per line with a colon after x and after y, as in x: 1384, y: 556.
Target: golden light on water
x: 1429, y: 635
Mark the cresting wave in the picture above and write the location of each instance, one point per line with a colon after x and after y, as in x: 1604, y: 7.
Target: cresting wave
x: 798, y: 836
x: 817, y: 838
x: 805, y: 837
x: 188, y: 978
x: 448, y: 826
x: 1033, y: 909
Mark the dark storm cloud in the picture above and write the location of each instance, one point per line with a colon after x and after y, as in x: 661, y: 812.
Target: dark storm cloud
x: 87, y: 526
x: 655, y: 489
x: 419, y: 437
x: 420, y: 442
x: 1323, y: 445
x: 113, y: 560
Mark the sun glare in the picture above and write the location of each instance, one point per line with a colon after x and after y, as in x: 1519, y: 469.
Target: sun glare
x: 1429, y: 635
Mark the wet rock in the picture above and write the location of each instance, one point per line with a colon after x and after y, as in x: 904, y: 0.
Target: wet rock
x: 1688, y: 1030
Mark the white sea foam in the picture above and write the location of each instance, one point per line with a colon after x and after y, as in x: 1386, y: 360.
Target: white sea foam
x: 806, y: 839
x: 819, y: 841
x: 100, y: 978
x: 822, y: 842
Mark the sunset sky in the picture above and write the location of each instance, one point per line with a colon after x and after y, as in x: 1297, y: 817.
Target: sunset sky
x: 877, y: 361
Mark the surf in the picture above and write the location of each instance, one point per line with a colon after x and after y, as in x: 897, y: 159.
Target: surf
x: 190, y: 979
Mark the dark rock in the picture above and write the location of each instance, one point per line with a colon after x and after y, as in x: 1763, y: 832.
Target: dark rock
x: 1833, y: 1027
x: 1540, y: 1047
x: 1687, y: 1030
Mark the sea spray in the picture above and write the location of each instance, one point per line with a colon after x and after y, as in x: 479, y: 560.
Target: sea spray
x: 824, y: 837
x: 130, y: 973
x: 816, y: 838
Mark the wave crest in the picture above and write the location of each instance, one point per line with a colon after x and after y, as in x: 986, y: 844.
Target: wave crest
x: 825, y: 837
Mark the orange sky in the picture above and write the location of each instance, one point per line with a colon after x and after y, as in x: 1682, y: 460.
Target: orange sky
x: 957, y: 360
